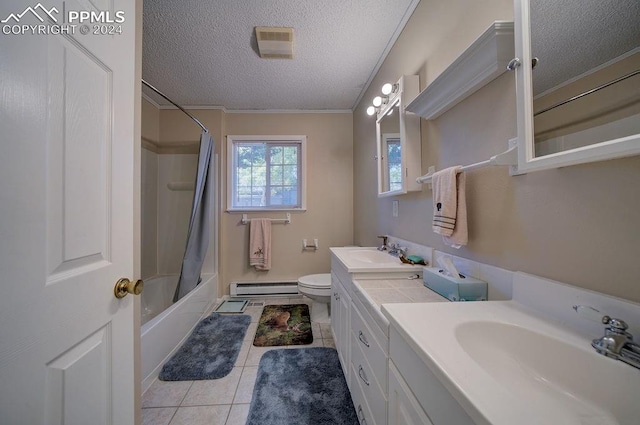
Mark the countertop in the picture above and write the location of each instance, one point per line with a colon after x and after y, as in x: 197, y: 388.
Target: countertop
x: 372, y: 293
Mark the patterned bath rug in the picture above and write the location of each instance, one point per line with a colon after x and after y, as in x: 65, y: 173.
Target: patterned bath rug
x: 287, y: 324
x: 210, y: 351
x: 301, y: 386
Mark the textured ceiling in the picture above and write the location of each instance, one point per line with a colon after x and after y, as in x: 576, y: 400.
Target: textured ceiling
x: 571, y: 37
x: 203, y: 53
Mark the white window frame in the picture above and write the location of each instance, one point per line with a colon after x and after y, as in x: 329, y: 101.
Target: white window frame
x: 302, y: 140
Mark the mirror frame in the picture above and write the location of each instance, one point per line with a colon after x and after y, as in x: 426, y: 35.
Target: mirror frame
x: 408, y: 88
x: 527, y: 161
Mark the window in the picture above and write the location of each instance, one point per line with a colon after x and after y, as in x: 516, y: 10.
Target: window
x: 266, y: 172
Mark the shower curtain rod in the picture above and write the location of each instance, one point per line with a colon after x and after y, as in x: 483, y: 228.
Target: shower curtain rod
x: 205, y: 129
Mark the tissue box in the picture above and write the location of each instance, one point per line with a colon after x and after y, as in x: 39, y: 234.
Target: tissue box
x: 464, y: 288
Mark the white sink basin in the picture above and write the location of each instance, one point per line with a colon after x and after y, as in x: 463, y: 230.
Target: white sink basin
x: 506, y: 365
x: 369, y: 259
x: 572, y: 384
x: 369, y: 256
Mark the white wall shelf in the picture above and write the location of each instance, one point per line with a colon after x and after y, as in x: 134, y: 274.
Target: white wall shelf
x: 479, y: 64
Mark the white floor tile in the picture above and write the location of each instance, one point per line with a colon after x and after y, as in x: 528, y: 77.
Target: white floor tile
x: 165, y: 393
x: 158, y: 415
x: 325, y: 330
x: 328, y: 342
x: 255, y: 354
x: 251, y: 331
x: 254, y: 312
x: 238, y: 414
x: 201, y: 415
x: 277, y: 301
x: 245, y: 387
x: 213, y: 391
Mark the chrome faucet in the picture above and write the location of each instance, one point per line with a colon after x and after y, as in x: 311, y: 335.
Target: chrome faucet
x: 384, y: 246
x: 616, y: 343
x: 397, y: 251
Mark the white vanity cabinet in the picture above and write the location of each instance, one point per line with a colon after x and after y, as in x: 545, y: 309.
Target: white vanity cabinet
x: 340, y: 322
x: 416, y: 396
x: 361, y: 340
x: 404, y: 408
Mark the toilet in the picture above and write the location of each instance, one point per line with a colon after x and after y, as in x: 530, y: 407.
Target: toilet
x: 318, y: 288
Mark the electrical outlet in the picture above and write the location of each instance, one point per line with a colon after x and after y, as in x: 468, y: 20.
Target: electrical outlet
x: 395, y: 208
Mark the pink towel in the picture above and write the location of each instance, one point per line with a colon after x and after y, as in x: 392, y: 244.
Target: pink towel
x: 450, y: 206
x: 260, y: 243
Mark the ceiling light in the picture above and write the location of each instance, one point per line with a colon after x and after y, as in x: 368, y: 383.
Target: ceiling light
x: 387, y: 88
x: 275, y: 42
x: 377, y: 101
x: 371, y: 110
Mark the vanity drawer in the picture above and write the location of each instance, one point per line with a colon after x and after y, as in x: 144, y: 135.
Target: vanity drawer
x: 365, y: 417
x: 363, y: 373
x: 370, y: 347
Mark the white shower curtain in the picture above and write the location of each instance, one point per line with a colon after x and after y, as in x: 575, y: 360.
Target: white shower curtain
x: 198, y: 235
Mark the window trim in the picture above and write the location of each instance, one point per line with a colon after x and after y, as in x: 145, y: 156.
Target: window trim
x: 302, y: 140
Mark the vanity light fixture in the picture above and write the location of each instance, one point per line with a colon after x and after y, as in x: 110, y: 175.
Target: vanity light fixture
x: 378, y: 101
x: 389, y: 88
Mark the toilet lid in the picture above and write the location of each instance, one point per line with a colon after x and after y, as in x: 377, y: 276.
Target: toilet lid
x: 322, y: 280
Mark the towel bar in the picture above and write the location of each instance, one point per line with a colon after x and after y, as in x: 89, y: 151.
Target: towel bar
x: 287, y: 220
x: 509, y: 157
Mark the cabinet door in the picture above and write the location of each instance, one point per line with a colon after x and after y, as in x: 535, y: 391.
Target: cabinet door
x: 404, y: 409
x: 341, y: 325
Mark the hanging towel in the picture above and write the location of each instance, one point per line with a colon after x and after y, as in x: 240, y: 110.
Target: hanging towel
x: 260, y: 243
x: 450, y: 206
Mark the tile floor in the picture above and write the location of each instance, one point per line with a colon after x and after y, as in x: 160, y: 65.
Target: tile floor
x: 221, y: 401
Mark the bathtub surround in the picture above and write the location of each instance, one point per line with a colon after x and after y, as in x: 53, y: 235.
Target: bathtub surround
x: 163, y: 335
x: 287, y: 324
x: 211, y: 350
x: 301, y: 386
x: 199, y: 223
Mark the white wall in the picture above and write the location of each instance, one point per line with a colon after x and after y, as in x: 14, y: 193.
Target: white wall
x: 149, y: 214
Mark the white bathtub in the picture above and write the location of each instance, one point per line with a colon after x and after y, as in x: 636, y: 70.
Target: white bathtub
x: 165, y: 325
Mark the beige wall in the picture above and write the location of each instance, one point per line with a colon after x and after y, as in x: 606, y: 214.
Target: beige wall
x: 578, y: 225
x: 329, y: 215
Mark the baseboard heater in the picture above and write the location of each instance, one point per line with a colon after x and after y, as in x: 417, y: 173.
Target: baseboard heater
x: 253, y: 289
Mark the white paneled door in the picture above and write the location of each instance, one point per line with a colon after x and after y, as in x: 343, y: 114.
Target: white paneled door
x: 66, y: 212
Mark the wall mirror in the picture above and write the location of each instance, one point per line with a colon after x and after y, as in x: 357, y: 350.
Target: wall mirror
x: 398, y: 140
x: 578, y: 81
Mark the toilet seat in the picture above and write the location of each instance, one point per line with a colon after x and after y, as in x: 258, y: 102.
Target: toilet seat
x: 316, y: 281
x: 318, y: 288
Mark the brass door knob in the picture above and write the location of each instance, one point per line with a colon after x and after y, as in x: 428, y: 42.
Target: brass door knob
x: 124, y: 286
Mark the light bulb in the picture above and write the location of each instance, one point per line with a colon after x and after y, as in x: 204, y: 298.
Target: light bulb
x: 377, y: 101
x: 371, y: 110
x: 390, y: 111
x: 387, y: 88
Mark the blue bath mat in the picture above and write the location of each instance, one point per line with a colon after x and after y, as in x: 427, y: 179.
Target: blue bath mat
x: 210, y: 351
x: 301, y: 386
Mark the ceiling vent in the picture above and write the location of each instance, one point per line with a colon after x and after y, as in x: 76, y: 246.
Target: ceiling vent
x: 275, y: 42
